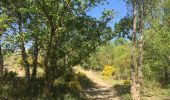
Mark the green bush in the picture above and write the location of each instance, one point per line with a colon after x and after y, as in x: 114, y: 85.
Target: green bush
x: 126, y: 97
x: 115, y: 54
x: 9, y: 75
x: 74, y: 86
x: 69, y: 96
x: 126, y: 82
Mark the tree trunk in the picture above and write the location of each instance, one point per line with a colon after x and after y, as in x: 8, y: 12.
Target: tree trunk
x: 1, y: 61
x: 47, y: 62
x: 35, y: 62
x: 35, y: 58
x: 166, y: 78
x: 25, y: 63
x: 23, y: 53
x: 140, y: 63
x: 134, y: 92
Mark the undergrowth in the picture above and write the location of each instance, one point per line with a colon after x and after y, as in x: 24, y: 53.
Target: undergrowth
x: 13, y: 87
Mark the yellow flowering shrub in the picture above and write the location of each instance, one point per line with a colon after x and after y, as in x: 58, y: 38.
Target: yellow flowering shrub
x: 107, y: 71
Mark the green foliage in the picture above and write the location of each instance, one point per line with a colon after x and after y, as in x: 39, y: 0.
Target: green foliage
x: 9, y: 75
x: 157, y: 49
x: 123, y: 91
x: 126, y: 82
x: 60, y: 34
x: 74, y: 86
x: 70, y: 97
x: 124, y: 27
x: 117, y: 55
x: 57, y: 35
x: 126, y: 97
x: 152, y: 88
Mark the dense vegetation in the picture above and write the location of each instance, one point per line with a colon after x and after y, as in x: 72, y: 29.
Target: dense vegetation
x: 151, y: 46
x: 53, y: 36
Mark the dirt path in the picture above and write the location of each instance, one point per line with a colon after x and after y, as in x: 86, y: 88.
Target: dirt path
x: 101, y: 91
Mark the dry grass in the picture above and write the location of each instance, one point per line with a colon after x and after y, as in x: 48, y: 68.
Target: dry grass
x: 11, y: 64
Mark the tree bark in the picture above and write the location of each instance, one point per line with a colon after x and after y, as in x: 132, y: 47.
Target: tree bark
x: 35, y: 58
x: 1, y: 56
x: 47, y: 63
x: 25, y: 63
x: 23, y: 53
x: 134, y: 92
x: 140, y: 63
x: 1, y: 61
x: 35, y: 62
x: 48, y: 57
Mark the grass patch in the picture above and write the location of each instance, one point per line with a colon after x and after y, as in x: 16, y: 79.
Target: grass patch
x: 153, y: 90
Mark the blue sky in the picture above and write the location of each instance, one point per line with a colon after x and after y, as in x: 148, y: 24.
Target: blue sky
x: 118, y: 6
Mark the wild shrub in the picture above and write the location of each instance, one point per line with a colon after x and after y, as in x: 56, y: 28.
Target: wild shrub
x: 9, y: 74
x: 107, y: 71
x: 126, y: 82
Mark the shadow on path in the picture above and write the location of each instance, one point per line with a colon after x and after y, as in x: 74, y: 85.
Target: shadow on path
x: 101, y: 93
x: 122, y: 89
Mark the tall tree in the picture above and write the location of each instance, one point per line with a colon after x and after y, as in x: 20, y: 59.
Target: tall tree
x: 60, y: 30
x: 1, y: 31
x: 157, y: 41
x: 140, y: 8
x: 4, y: 22
x: 23, y: 50
x: 134, y: 92
x: 18, y: 12
x: 141, y: 11
x: 68, y: 24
